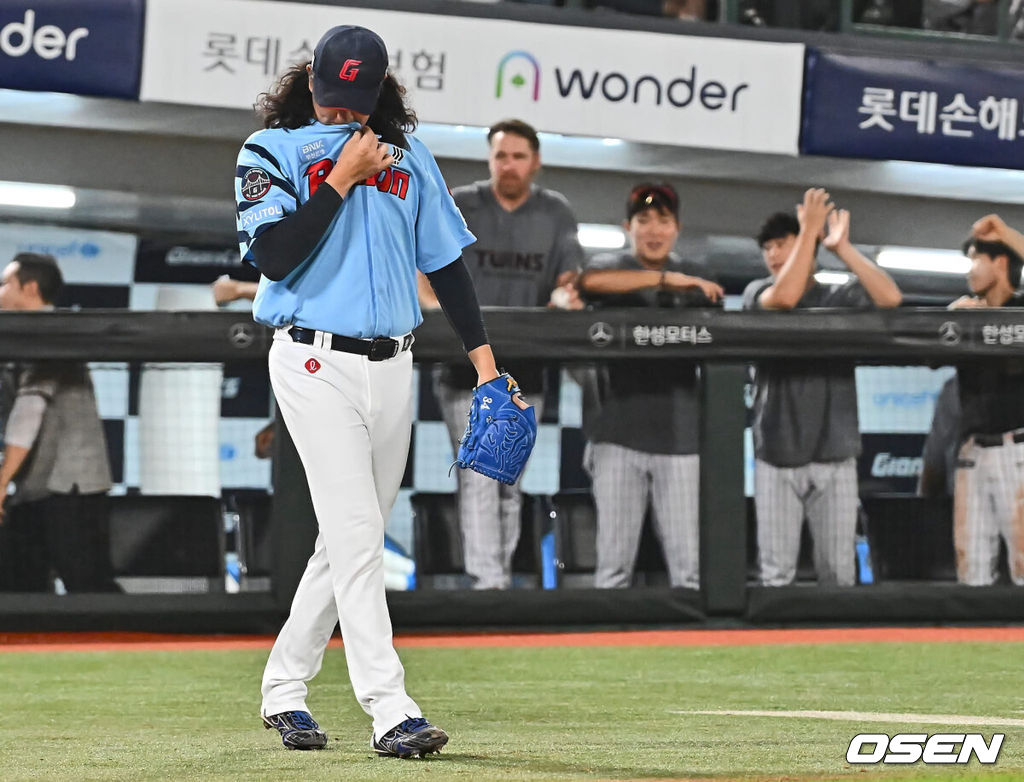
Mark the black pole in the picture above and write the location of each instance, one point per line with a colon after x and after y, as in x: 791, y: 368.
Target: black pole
x: 723, y: 523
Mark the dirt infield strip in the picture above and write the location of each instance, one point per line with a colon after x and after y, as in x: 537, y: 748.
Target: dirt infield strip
x: 108, y: 642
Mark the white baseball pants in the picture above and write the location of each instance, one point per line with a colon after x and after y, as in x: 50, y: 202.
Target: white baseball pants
x: 988, y: 503
x: 350, y: 419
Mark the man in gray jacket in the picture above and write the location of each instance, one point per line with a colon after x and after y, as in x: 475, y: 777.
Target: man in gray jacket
x: 55, y: 456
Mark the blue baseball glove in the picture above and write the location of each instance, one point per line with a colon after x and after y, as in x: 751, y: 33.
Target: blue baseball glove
x: 499, y: 435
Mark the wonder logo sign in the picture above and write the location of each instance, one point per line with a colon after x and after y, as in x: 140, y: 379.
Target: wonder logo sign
x: 520, y: 72
x: 665, y: 89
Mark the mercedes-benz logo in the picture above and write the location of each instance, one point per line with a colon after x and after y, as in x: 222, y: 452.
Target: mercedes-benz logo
x: 241, y: 335
x: 601, y: 334
x: 949, y: 333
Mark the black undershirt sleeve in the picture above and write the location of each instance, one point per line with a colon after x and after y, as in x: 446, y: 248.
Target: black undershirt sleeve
x: 457, y: 296
x: 280, y: 249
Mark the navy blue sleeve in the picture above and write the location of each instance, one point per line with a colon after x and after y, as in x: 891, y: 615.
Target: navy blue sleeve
x: 279, y: 249
x: 454, y: 290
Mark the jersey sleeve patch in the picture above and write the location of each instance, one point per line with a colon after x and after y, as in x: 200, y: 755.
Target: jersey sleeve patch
x: 255, y: 184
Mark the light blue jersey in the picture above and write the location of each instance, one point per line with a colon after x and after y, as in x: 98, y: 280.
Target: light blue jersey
x: 360, y: 281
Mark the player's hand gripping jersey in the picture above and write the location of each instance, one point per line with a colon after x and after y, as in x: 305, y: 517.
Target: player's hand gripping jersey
x: 358, y: 281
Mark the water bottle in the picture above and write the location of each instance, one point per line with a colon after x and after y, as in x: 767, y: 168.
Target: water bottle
x: 232, y: 566
x: 549, y: 554
x: 232, y: 573
x: 865, y: 574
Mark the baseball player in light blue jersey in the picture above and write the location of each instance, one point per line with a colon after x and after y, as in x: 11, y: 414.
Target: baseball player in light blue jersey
x: 338, y: 207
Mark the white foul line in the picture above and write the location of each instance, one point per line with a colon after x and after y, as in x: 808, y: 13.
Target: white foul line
x: 869, y: 716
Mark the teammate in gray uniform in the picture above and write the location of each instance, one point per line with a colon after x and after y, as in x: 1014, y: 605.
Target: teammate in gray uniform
x: 635, y: 456
x: 988, y: 500
x: 806, y: 435
x: 526, y: 249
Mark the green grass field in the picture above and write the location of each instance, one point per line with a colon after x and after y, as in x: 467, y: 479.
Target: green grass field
x: 513, y: 713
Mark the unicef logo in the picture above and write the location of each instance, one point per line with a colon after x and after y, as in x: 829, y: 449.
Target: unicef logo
x: 89, y: 250
x: 518, y: 69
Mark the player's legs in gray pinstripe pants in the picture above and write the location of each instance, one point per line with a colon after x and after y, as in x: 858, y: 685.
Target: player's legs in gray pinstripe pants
x: 623, y: 479
x: 827, y: 493
x: 832, y: 516
x: 675, y: 495
x: 778, y: 498
x: 490, y: 512
x: 989, y: 501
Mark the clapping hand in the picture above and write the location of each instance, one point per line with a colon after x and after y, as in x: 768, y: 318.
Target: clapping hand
x: 814, y: 210
x: 838, y: 229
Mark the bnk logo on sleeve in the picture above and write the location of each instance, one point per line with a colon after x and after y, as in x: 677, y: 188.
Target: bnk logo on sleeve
x: 904, y: 748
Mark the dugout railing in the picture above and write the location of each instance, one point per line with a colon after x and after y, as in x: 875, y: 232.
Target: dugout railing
x: 724, y: 343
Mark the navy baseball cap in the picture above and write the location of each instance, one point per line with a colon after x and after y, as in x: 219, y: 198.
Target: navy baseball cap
x: 349, y: 66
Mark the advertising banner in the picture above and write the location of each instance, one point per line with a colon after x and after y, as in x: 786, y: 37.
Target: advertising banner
x: 84, y: 256
x: 649, y: 87
x: 890, y: 463
x: 84, y: 47
x: 898, y: 399
x: 165, y: 261
x: 913, y: 110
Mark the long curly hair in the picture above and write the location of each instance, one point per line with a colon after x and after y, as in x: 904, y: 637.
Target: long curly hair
x: 289, y: 104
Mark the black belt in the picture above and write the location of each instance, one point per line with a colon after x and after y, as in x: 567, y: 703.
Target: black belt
x: 992, y: 440
x: 377, y: 349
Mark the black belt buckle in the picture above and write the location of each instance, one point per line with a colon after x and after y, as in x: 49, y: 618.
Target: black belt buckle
x: 301, y: 335
x: 383, y: 348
